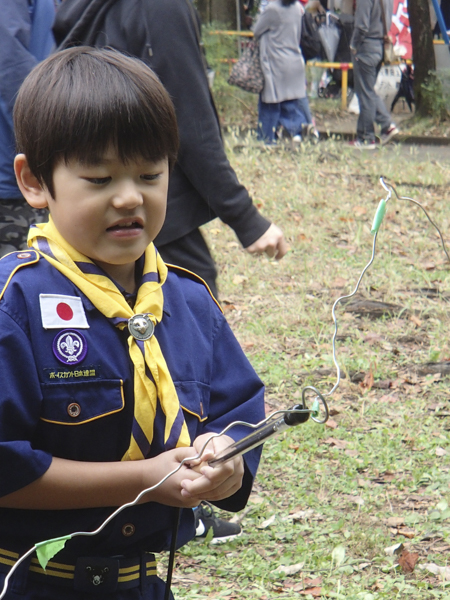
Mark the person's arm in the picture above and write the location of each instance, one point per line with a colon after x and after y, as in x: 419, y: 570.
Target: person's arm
x: 202, y: 169
x: 16, y: 61
x: 263, y: 23
x: 69, y: 484
x: 236, y: 395
x: 362, y: 23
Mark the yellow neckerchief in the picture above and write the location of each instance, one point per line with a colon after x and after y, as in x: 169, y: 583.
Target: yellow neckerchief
x: 152, y: 380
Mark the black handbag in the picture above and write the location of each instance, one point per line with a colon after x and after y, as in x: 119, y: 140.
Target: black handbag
x: 247, y: 73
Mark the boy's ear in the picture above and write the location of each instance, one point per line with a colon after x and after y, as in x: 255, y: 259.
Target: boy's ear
x: 31, y: 189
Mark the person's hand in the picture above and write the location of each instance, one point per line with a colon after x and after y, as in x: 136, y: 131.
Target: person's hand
x: 170, y: 492
x: 215, y: 483
x: 271, y: 242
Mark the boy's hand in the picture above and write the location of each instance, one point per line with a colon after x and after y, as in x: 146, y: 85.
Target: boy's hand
x: 171, y: 491
x: 214, y: 483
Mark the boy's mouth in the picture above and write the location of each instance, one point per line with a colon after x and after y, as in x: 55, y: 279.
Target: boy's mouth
x: 126, y: 225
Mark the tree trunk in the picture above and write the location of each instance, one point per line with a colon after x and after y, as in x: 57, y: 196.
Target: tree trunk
x: 423, y: 55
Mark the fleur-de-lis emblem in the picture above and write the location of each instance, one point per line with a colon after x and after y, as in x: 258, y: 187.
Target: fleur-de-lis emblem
x: 70, y: 346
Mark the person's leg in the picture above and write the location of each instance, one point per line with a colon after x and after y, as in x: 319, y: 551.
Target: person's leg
x: 366, y: 65
x: 16, y: 216
x: 382, y: 115
x: 191, y: 252
x: 292, y: 117
x: 304, y: 107
x: 268, y: 117
x: 365, y: 76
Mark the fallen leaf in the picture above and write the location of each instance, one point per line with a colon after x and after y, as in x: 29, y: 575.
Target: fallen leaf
x: 372, y: 338
x: 308, y: 583
x: 407, y: 561
x: 247, y: 345
x: 315, y: 591
x: 358, y: 500
x: 302, y: 515
x: 289, y: 569
x: 267, y: 523
x: 367, y: 382
x: 443, y: 572
x: 429, y: 266
x: 351, y: 452
x: 360, y: 210
x: 395, y: 549
x: 395, y: 521
x: 415, y: 320
x: 228, y: 307
x: 338, y: 555
x: 331, y: 423
x: 239, y: 279
x: 339, y: 282
x: 441, y: 451
x: 341, y: 444
x: 406, y: 532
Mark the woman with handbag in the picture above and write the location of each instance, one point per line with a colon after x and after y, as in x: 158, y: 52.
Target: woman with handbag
x: 282, y: 100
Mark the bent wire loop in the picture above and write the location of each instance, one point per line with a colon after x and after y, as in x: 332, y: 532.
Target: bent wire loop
x: 272, y: 425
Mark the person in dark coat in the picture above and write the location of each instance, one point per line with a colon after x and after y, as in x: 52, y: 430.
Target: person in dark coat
x: 25, y: 39
x: 203, y: 186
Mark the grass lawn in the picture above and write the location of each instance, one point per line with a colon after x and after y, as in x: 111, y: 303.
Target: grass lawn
x: 358, y: 508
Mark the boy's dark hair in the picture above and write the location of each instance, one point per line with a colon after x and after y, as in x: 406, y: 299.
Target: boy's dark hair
x: 78, y: 102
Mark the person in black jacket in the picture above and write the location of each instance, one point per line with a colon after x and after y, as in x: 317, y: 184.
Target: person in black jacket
x: 203, y: 185
x: 25, y: 39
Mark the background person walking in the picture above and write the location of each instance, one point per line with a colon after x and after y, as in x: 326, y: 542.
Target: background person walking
x: 366, y: 47
x: 278, y: 30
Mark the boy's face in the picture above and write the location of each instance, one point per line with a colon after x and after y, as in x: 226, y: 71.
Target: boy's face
x: 110, y: 212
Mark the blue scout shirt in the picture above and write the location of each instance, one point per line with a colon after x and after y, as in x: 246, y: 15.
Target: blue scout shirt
x: 84, y: 411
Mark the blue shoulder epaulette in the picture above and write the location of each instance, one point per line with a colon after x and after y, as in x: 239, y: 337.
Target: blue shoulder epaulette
x: 182, y: 271
x: 12, y: 262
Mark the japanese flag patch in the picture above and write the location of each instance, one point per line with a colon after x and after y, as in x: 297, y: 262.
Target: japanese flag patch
x: 59, y: 311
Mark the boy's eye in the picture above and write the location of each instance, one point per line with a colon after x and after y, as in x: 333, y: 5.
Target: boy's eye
x: 98, y: 180
x: 151, y: 177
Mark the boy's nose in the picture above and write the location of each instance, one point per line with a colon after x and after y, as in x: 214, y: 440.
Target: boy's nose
x: 127, y: 195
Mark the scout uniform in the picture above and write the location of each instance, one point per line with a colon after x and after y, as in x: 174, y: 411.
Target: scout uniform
x: 67, y: 390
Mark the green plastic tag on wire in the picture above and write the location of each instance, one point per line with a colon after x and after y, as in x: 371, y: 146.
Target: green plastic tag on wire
x: 381, y: 211
x: 315, y: 408
x: 45, y: 551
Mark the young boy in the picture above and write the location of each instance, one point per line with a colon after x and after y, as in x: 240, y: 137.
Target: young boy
x: 114, y: 367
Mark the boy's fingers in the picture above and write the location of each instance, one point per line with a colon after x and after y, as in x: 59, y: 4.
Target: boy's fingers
x: 217, y: 483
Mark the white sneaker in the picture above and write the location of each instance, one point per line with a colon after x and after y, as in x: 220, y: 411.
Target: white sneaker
x: 388, y: 134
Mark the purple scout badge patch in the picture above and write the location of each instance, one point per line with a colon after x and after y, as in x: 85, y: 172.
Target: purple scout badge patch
x: 70, y: 347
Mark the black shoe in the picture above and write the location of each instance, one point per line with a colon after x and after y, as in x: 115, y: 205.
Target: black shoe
x: 222, y: 530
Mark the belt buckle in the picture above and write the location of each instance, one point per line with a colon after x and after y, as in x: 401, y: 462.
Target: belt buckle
x: 96, y: 574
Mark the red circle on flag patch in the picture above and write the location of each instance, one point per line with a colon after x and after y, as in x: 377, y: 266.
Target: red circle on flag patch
x: 64, y: 311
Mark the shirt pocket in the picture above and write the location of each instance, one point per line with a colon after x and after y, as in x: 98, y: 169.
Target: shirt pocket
x: 194, y: 398
x: 81, y: 402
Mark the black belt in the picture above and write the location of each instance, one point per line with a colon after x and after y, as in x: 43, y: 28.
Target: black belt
x: 90, y: 574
